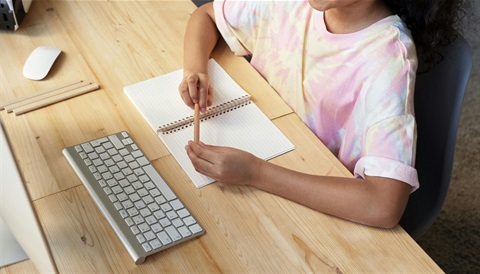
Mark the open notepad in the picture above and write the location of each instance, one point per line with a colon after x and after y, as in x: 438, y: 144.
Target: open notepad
x: 233, y: 119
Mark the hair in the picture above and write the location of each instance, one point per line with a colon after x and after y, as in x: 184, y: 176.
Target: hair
x: 432, y: 22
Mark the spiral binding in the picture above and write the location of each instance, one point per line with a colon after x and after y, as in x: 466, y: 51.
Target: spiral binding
x: 210, y: 113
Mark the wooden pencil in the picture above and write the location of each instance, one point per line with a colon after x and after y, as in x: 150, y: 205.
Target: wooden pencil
x: 196, y: 124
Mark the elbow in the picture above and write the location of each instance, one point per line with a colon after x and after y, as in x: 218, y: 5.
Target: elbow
x: 387, y: 202
x: 386, y: 217
x: 387, y: 222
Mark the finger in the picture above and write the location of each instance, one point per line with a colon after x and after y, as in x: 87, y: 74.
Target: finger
x: 203, y: 152
x: 183, y: 89
x: 202, y: 166
x: 210, y: 95
x: 192, y: 82
x: 216, y: 149
x: 203, y: 93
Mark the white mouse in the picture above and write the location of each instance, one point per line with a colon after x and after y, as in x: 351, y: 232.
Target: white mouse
x: 39, y: 62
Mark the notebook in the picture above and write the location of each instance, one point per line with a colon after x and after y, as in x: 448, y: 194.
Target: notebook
x: 233, y: 120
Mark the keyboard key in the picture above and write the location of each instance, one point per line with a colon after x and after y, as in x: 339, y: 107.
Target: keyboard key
x: 132, y: 211
x: 137, y: 154
x: 140, y: 238
x: 122, y: 196
x: 87, y: 147
x: 172, y: 215
x: 144, y: 227
x: 155, y: 244
x: 164, y: 238
x: 146, y: 247
x: 129, y: 221
x: 189, y: 220
x: 116, y: 142
x: 108, y: 146
x: 159, y: 214
x: 151, y: 220
x: 149, y: 235
x: 135, y: 230
x: 176, y: 204
x: 153, y: 207
x: 123, y: 213
x: 173, y: 233
x: 177, y: 222
x: 184, y: 231
x: 166, y: 207
x: 165, y: 222
x: 142, y: 192
x: 156, y: 227
x: 195, y: 228
x: 139, y: 220
x: 183, y: 213
x: 143, y: 161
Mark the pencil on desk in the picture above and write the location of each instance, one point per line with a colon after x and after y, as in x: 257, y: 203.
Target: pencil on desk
x: 37, y: 94
x: 196, y: 124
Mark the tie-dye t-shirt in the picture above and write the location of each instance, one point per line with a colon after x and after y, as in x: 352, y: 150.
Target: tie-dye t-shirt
x: 354, y: 91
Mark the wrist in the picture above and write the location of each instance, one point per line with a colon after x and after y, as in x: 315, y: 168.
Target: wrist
x: 195, y: 65
x: 187, y: 72
x: 258, y: 176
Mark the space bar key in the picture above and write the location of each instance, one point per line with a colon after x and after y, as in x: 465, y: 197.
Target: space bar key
x: 159, y: 182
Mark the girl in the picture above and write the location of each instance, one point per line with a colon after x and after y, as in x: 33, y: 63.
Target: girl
x: 347, y: 68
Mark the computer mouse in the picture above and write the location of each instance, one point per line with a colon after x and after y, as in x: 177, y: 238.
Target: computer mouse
x: 40, y: 62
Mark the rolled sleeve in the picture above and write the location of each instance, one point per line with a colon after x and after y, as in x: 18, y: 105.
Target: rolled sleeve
x: 387, y: 168
x: 389, y: 151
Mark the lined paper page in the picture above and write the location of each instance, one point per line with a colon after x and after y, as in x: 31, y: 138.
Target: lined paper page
x: 159, y: 101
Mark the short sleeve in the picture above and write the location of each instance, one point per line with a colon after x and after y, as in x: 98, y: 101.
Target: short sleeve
x: 389, y: 151
x: 231, y: 10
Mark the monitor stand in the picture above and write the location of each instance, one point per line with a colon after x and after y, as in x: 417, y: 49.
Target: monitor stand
x: 10, y: 251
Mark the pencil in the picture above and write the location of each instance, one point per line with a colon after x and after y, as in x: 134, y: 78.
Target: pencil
x: 196, y: 124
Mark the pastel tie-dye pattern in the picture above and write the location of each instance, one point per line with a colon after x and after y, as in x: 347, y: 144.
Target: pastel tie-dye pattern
x: 354, y: 91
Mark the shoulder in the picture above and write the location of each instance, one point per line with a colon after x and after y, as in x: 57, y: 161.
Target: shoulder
x: 389, y: 50
x: 391, y: 38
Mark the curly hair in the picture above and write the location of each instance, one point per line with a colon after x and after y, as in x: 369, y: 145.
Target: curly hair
x: 432, y: 22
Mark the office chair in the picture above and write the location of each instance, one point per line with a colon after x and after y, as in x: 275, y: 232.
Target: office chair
x: 438, y: 100
x: 198, y: 3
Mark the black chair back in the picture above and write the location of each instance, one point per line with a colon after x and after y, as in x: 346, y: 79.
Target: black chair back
x: 438, y: 101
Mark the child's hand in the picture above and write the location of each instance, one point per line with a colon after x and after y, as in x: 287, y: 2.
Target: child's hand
x: 225, y: 164
x: 196, y: 88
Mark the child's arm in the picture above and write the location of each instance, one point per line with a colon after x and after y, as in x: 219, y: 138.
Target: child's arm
x: 374, y: 201
x: 201, y: 37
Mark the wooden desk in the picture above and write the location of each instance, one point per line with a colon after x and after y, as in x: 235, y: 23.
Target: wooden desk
x: 116, y: 44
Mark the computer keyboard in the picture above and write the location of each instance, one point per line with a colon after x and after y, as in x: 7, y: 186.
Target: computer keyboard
x: 142, y: 209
